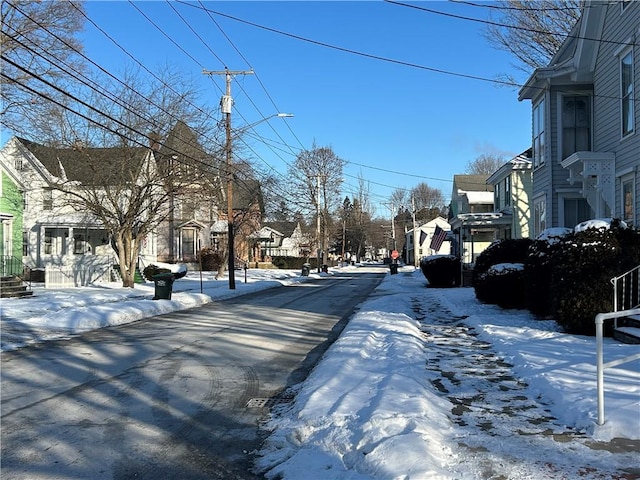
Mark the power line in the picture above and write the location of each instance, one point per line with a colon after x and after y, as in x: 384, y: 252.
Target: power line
x: 503, y: 25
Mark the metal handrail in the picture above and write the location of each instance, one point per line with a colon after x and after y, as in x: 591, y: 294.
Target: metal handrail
x: 629, y: 283
x: 13, y: 266
x: 600, y: 365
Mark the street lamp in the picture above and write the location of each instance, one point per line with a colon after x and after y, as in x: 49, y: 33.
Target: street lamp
x: 226, y: 108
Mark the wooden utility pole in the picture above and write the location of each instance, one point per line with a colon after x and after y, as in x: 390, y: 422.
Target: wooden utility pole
x: 226, y: 104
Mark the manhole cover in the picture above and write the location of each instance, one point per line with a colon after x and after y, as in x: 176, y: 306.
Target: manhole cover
x: 266, y: 402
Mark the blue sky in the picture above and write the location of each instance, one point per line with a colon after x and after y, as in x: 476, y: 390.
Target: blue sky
x: 396, y: 125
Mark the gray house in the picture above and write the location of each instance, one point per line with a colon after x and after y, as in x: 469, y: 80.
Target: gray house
x: 586, y: 143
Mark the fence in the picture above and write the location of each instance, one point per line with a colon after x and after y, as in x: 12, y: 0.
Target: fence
x: 76, y: 276
x: 600, y: 365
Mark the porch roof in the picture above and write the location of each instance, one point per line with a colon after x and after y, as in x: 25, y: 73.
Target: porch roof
x: 492, y: 219
x: 78, y: 219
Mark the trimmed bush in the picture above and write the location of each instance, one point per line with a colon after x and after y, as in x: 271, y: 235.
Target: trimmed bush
x: 503, y: 285
x: 513, y: 250
x: 210, y: 259
x: 582, y: 267
x: 441, y: 270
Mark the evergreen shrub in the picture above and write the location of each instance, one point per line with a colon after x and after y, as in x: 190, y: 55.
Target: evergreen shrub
x: 504, y: 286
x: 582, y: 268
x: 441, y: 270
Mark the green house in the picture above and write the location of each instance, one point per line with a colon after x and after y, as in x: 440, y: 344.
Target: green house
x: 11, y: 210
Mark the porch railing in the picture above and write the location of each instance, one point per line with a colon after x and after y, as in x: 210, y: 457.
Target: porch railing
x: 14, y: 267
x: 626, y: 291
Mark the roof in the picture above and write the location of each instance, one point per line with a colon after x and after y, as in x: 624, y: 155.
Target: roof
x: 284, y: 228
x: 519, y: 162
x: 88, y: 165
x: 247, y: 193
x: 472, y: 183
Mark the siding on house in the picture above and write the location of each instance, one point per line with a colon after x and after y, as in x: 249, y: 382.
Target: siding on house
x: 589, y: 179
x: 11, y: 213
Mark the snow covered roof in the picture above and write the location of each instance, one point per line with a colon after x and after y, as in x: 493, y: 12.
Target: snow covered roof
x: 479, y: 197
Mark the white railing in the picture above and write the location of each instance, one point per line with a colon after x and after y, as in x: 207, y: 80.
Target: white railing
x: 626, y: 290
x: 600, y: 365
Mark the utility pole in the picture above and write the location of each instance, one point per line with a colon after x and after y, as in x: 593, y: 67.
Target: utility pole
x: 319, y: 250
x: 394, y: 246
x: 415, y: 232
x: 226, y: 103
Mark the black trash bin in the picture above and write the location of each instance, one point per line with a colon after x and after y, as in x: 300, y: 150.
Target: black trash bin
x: 325, y: 268
x: 306, y: 268
x: 393, y: 268
x: 164, y: 286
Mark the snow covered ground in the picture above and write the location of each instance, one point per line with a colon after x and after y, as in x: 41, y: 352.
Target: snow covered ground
x: 423, y: 383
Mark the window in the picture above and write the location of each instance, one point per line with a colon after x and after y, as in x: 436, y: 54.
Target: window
x: 576, y: 124
x: 507, y: 191
x: 626, y: 93
x: 539, y: 216
x: 576, y: 210
x: 628, y: 196
x: 54, y: 240
x: 188, y: 237
x: 47, y: 199
x: 538, y: 135
x: 25, y: 243
x: 81, y: 244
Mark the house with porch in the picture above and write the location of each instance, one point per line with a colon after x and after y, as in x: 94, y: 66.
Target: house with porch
x: 55, y: 234
x: 418, y: 241
x: 280, y: 239
x: 512, y: 188
x: 60, y: 237
x: 473, y: 221
x: 585, y: 111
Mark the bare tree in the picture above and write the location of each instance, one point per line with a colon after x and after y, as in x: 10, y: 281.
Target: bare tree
x: 130, y: 186
x: 399, y: 198
x: 485, y: 164
x: 531, y: 31
x: 315, y: 181
x: 39, y: 49
x: 426, y: 197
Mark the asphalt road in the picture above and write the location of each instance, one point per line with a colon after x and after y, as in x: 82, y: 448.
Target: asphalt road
x: 178, y: 396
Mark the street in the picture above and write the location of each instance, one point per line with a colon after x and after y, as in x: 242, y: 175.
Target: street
x: 180, y: 395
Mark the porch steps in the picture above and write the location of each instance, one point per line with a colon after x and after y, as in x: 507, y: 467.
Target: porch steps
x: 137, y: 277
x: 13, y: 287
x: 628, y: 330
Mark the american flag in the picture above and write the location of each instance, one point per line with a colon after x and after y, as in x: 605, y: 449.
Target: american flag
x: 438, y: 238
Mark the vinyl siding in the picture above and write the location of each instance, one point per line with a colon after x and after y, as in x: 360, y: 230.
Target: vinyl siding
x: 620, y: 28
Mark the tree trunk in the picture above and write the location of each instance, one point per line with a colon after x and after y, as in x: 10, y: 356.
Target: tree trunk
x: 128, y: 258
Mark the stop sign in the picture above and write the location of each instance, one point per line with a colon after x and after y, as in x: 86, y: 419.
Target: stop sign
x: 395, y: 254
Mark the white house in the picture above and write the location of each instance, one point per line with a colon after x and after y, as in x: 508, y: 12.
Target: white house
x: 55, y: 234
x: 418, y: 241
